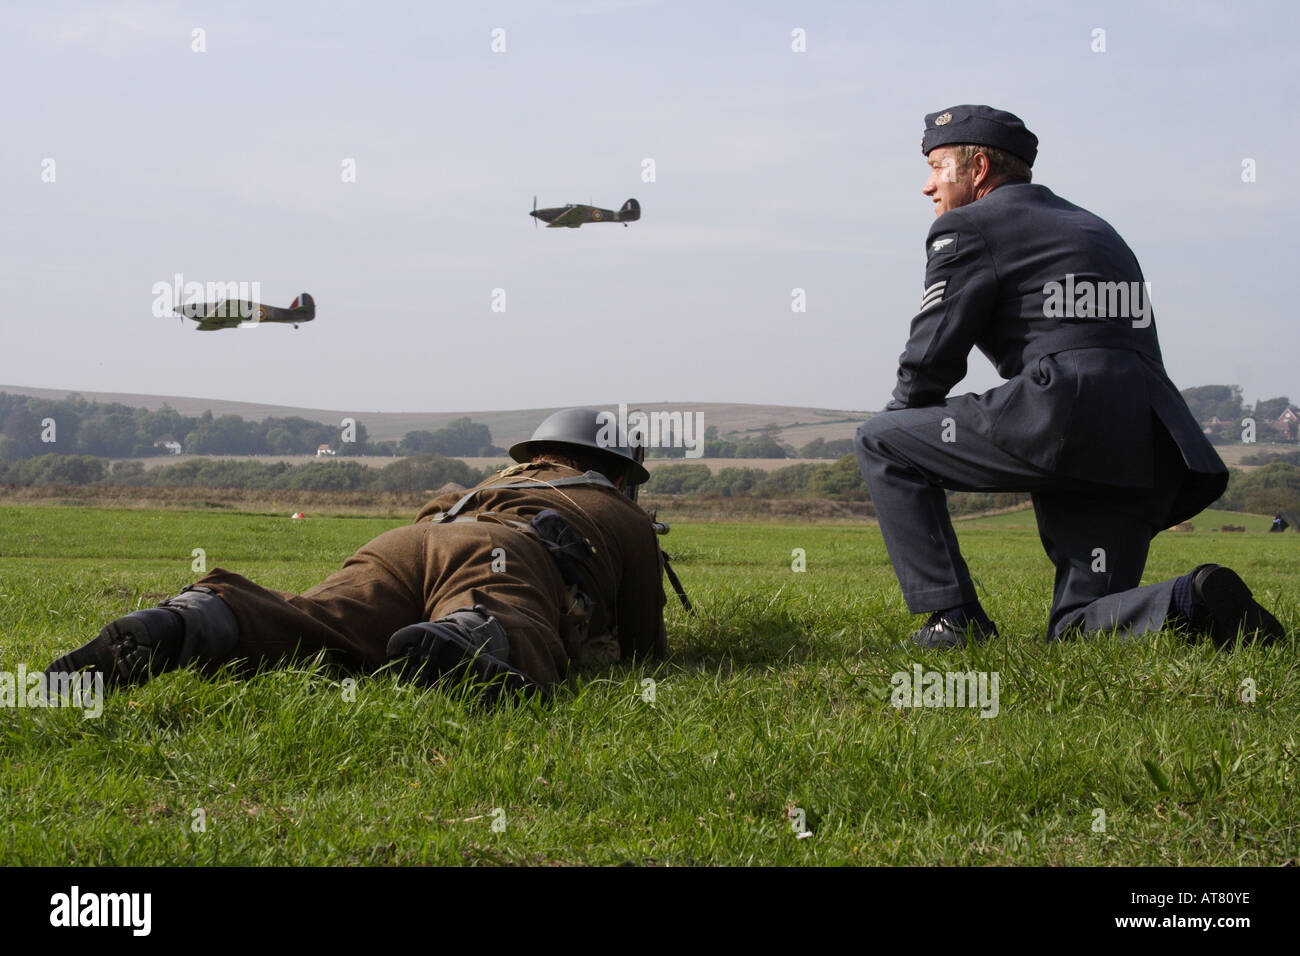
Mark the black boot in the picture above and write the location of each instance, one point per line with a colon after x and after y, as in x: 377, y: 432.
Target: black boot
x: 129, y: 650
x: 195, y: 625
x: 468, y: 643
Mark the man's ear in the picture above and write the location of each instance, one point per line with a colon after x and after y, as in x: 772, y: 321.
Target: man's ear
x: 982, y: 179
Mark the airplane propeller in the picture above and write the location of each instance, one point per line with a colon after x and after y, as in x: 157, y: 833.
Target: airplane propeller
x: 534, y: 212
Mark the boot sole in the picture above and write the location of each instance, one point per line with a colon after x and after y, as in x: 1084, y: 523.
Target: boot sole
x: 123, y: 652
x: 93, y: 656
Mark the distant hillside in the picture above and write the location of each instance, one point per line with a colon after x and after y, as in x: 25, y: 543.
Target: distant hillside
x: 798, y: 426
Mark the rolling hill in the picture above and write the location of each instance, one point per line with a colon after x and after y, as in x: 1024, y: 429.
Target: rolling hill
x: 797, y: 425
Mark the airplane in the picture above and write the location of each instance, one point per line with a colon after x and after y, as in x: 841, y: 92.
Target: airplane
x: 240, y: 313
x: 574, y: 215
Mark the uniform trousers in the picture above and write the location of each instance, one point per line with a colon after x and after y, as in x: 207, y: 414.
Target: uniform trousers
x: 1097, y: 536
x: 416, y: 573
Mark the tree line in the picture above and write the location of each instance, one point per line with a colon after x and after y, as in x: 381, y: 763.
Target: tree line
x: 1266, y: 490
x: 417, y: 473
x: 31, y: 427
x: 1221, y: 410
x: 1262, y: 491
x: 765, y: 444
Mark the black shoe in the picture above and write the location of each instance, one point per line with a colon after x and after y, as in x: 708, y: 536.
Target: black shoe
x: 951, y: 629
x: 129, y: 650
x: 1223, y: 608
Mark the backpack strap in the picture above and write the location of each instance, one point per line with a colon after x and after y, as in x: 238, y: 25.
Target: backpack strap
x: 588, y: 478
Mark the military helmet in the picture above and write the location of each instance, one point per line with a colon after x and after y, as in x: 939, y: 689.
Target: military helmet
x: 589, y: 430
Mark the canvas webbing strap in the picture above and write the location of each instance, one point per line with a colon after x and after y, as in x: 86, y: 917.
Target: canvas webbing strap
x: 588, y: 478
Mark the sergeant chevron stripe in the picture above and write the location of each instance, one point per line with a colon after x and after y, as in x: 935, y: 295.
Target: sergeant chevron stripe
x: 933, y: 294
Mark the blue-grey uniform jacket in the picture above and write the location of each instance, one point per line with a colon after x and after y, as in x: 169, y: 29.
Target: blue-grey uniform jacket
x: 1056, y: 300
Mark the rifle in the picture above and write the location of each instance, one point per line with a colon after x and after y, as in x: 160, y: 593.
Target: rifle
x: 661, y: 528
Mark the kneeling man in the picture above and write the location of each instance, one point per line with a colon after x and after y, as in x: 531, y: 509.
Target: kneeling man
x: 1088, y: 421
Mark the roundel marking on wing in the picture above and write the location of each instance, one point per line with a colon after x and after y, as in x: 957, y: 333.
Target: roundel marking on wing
x: 595, y: 214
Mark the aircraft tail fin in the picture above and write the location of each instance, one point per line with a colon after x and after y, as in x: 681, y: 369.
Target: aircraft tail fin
x: 306, y: 304
x: 630, y: 212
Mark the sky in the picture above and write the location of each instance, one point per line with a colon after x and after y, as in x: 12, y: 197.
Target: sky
x: 383, y: 156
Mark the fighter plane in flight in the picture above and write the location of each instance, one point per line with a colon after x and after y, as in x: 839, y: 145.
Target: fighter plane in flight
x: 574, y: 215
x: 240, y: 313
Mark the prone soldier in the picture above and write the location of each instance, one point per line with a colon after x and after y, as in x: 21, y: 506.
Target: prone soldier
x: 548, y: 564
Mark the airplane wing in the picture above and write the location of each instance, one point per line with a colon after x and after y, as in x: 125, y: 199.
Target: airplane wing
x: 572, y: 217
x: 209, y: 325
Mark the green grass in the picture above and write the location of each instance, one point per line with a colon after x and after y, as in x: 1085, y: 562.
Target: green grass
x: 1207, y: 522
x: 776, y: 700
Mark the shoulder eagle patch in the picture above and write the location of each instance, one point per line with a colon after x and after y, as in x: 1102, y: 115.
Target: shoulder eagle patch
x: 944, y: 243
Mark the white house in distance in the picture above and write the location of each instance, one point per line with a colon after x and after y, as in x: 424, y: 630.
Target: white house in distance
x: 168, y: 444
x: 324, y: 450
x: 1288, y: 423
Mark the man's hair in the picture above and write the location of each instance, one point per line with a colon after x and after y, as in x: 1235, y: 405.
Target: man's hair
x: 1002, y: 165
x: 607, y: 464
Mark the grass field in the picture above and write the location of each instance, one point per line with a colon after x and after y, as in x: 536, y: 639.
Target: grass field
x: 773, y: 710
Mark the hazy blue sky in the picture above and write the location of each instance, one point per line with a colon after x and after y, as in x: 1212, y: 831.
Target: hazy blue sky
x: 773, y: 170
